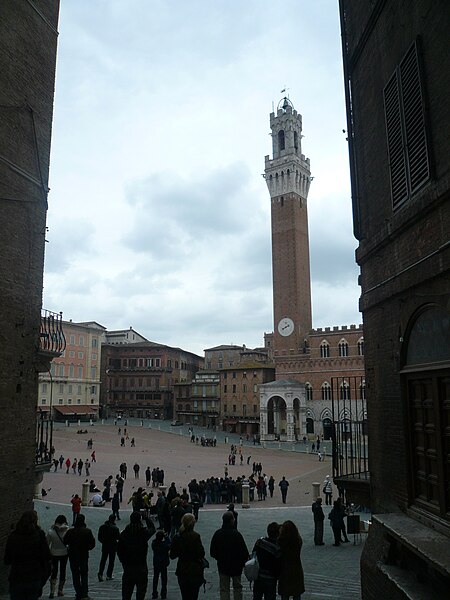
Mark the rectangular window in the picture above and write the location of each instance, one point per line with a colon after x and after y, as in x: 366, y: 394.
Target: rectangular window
x: 406, y: 130
x: 60, y: 401
x: 44, y: 388
x: 80, y: 354
x: 94, y: 342
x: 44, y: 401
x: 234, y: 374
x: 244, y: 375
x: 225, y: 389
x: 244, y: 409
x: 169, y: 363
x: 234, y: 408
x: 80, y: 372
x: 94, y: 356
x: 81, y: 341
x: 244, y: 387
x: 79, y: 389
x: 93, y: 390
x: 69, y: 401
x: 255, y: 408
x: 61, y: 388
x: 93, y: 372
x: 157, y: 362
x: 255, y: 388
x: 220, y: 365
x: 71, y: 354
x: 71, y: 371
x: 61, y: 370
x: 78, y: 400
x: 234, y: 388
x: 225, y: 408
x: 225, y: 374
x: 72, y: 340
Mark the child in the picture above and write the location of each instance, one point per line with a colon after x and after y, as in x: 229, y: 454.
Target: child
x: 160, y: 547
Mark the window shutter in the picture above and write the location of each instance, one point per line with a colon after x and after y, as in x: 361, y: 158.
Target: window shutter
x: 414, y: 119
x: 395, y: 142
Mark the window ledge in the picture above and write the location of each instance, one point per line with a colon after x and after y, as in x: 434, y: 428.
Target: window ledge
x: 427, y: 543
x: 409, y: 585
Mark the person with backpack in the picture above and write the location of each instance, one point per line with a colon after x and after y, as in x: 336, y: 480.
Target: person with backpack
x: 80, y: 541
x: 228, y: 547
x: 268, y: 555
x: 108, y: 536
x: 132, y: 552
x: 58, y: 550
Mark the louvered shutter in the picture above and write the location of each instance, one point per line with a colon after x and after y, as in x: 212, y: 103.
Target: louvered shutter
x: 414, y: 120
x: 395, y: 141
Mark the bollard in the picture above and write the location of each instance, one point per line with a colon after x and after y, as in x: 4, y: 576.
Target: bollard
x: 149, y: 425
x: 245, y: 494
x: 103, y: 421
x: 293, y: 447
x: 85, y: 493
x: 159, y: 427
x: 307, y: 449
x: 67, y: 423
x: 264, y: 445
x: 279, y: 445
x: 79, y: 423
x: 90, y: 422
x: 316, y: 490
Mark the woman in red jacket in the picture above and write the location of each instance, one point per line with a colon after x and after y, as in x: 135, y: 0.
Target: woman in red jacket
x: 76, y: 507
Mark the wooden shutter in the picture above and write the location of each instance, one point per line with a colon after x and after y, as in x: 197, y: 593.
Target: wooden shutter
x: 395, y: 141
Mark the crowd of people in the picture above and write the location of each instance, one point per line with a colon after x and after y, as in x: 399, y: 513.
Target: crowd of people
x: 35, y: 557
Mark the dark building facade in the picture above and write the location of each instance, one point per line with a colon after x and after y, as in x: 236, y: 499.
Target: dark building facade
x: 397, y: 81
x: 138, y: 379
x: 28, y: 42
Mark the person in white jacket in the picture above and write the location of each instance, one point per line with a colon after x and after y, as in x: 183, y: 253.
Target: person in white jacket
x: 58, y: 550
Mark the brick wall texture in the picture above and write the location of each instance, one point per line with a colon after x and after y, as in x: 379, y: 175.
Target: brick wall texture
x: 28, y: 39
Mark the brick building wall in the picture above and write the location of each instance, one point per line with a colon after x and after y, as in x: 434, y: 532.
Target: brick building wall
x: 396, y: 57
x: 28, y: 41
x: 138, y: 379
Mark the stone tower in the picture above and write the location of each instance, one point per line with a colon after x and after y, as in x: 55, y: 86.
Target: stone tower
x: 288, y: 178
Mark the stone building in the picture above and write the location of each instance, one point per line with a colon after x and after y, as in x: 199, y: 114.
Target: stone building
x: 198, y: 402
x: 397, y: 82
x: 311, y: 366
x: 70, y: 390
x: 28, y: 42
x: 124, y: 336
x: 138, y: 379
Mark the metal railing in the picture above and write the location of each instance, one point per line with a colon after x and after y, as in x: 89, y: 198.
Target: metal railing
x: 51, y: 337
x: 349, y: 428
x: 44, y: 439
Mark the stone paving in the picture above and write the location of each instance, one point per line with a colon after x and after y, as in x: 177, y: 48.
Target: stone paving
x: 330, y: 572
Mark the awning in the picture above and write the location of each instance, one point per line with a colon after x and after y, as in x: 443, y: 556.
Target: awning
x: 77, y: 409
x: 43, y: 409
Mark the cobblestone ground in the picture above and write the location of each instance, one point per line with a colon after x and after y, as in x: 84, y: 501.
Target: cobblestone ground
x: 330, y: 572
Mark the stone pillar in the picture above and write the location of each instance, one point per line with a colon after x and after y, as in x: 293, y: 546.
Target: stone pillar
x: 245, y: 494
x: 316, y: 490
x: 85, y: 493
x: 263, y: 424
x: 290, y: 425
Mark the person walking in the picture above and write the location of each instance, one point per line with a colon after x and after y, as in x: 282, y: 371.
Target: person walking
x: 188, y: 548
x: 336, y: 517
x: 108, y: 536
x: 271, y: 486
x: 80, y: 540
x: 161, y: 560
x: 59, y: 554
x: 132, y: 552
x: 342, y: 508
x: 67, y: 463
x: 148, y: 476
x: 229, y: 549
x: 136, y: 468
x: 328, y: 490
x: 76, y: 507
x: 268, y: 554
x: 291, y: 581
x: 319, y: 517
x: 28, y: 554
x: 115, y: 506
x: 283, y: 485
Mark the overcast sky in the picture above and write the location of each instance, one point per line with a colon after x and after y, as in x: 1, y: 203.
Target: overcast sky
x: 159, y: 217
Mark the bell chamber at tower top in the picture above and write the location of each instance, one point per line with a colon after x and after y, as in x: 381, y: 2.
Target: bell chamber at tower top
x: 289, y: 170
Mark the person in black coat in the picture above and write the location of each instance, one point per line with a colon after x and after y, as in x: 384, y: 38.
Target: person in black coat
x: 80, y: 540
x: 108, y: 536
x: 228, y: 547
x: 132, y: 552
x: 188, y: 548
x: 319, y: 517
x: 28, y: 554
x: 269, y: 559
x: 161, y: 561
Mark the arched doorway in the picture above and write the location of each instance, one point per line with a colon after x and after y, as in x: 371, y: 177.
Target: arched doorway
x: 327, y: 428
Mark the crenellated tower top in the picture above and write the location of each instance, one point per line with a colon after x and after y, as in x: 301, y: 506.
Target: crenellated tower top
x: 289, y: 170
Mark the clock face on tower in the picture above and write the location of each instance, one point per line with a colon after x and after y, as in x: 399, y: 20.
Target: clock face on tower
x: 285, y: 326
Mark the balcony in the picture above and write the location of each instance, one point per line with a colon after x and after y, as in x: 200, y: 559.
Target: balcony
x: 52, y: 341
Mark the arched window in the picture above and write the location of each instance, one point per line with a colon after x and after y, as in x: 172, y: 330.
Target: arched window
x: 344, y: 391
x: 343, y: 348
x: 281, y: 143
x: 324, y: 349
x: 361, y: 347
x: 309, y: 425
x: 327, y: 428
x: 295, y: 140
x: 362, y: 390
x: 308, y: 391
x: 326, y: 391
